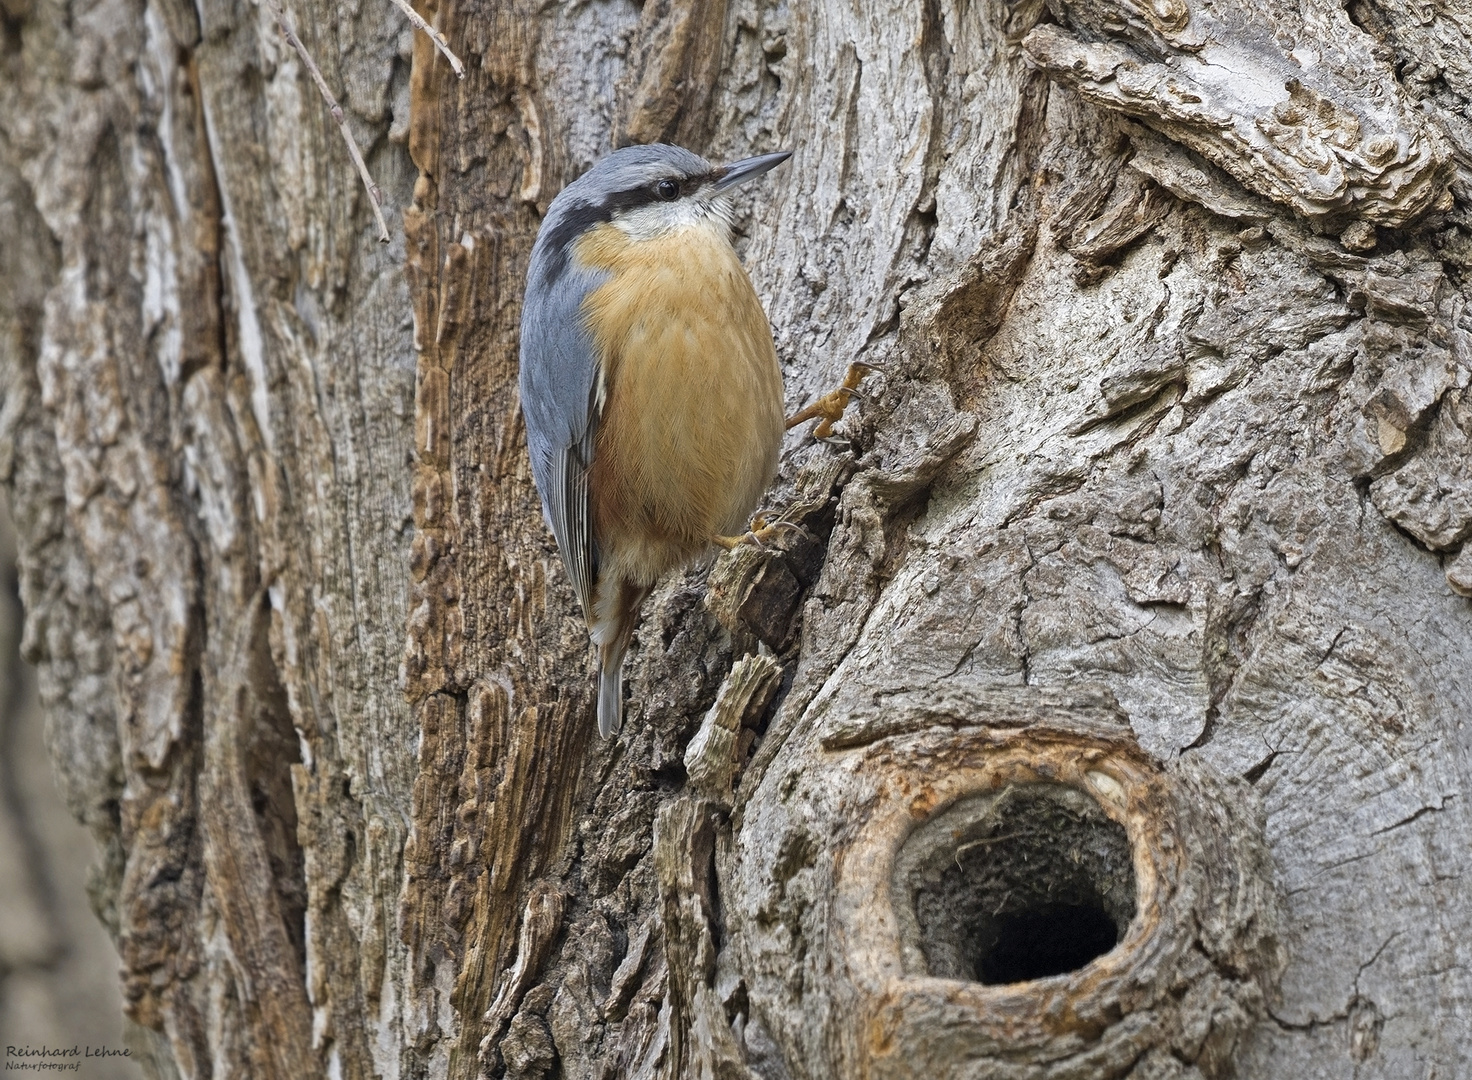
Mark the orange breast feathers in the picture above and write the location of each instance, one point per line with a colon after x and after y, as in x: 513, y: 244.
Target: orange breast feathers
x: 692, y: 396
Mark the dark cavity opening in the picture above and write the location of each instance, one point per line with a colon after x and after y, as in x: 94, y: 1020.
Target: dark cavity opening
x: 1027, y: 882
x: 1051, y: 940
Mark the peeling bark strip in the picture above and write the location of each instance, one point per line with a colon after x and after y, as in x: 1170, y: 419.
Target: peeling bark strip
x: 1160, y: 480
x: 503, y: 742
x: 1286, y: 115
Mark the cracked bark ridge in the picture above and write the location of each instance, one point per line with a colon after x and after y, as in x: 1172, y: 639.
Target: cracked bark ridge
x: 834, y: 848
x: 665, y: 92
x: 192, y: 373
x: 1280, y: 97
x: 497, y: 686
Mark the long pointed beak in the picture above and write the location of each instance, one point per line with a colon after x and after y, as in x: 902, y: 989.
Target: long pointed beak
x: 740, y: 172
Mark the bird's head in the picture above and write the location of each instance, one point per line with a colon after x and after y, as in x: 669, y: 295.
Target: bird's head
x: 646, y: 191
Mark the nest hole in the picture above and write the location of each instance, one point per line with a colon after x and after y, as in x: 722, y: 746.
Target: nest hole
x: 1027, y: 882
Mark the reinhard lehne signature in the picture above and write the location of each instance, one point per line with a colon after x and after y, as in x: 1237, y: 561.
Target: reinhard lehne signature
x: 45, y: 1058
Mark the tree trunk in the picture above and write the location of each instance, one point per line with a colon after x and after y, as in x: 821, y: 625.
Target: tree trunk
x: 1127, y: 615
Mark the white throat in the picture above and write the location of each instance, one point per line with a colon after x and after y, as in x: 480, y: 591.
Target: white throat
x: 653, y: 220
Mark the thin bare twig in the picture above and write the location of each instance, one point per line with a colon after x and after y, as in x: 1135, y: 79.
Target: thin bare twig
x: 375, y: 197
x: 438, y: 38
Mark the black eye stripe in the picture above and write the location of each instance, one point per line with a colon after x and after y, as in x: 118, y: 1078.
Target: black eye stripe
x: 556, y: 239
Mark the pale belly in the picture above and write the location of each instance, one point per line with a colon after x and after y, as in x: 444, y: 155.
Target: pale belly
x: 692, y: 421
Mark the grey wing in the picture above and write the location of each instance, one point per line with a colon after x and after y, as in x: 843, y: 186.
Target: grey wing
x: 566, y: 504
x: 559, y: 383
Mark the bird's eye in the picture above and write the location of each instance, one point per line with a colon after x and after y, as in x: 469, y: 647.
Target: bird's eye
x: 667, y: 190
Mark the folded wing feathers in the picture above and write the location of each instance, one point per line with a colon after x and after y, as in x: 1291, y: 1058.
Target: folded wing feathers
x: 572, y: 521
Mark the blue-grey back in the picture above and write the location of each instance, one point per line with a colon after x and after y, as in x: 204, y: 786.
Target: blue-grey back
x: 558, y: 368
x: 559, y: 372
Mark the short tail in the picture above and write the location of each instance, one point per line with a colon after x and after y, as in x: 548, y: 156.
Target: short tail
x: 610, y: 694
x: 612, y: 633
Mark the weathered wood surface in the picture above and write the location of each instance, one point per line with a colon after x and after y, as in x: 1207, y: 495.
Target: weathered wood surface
x: 58, y: 967
x: 1171, y: 306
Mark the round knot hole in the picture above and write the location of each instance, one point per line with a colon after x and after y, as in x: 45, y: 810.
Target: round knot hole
x: 1017, y: 884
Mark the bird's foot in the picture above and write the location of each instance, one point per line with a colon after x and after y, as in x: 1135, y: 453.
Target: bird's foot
x: 758, y: 535
x: 829, y: 408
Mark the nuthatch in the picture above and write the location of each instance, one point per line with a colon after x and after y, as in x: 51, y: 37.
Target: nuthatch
x: 649, y: 382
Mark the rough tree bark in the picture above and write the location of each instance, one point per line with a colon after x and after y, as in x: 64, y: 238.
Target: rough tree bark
x: 1137, y: 580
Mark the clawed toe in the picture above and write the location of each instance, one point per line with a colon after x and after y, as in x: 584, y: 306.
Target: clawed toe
x: 758, y: 536
x: 830, y: 408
